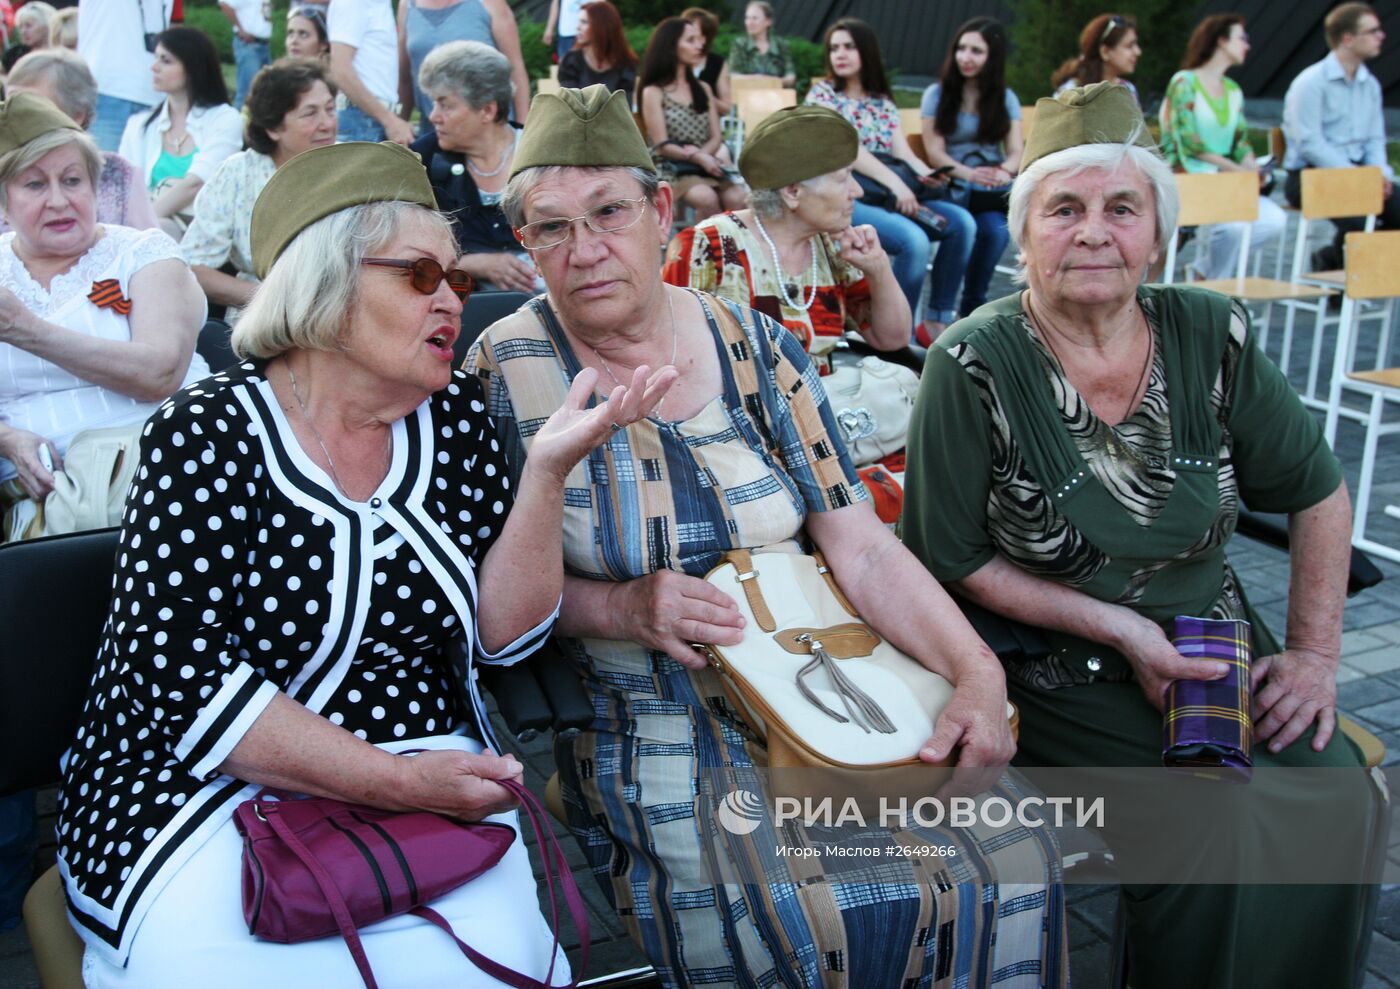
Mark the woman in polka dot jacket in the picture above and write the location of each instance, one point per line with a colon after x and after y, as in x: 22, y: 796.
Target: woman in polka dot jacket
x: 306, y: 533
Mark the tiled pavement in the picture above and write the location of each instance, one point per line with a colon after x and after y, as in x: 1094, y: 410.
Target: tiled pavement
x: 1369, y: 692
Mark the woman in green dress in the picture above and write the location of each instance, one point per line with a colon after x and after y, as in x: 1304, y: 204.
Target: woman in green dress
x: 1076, y: 462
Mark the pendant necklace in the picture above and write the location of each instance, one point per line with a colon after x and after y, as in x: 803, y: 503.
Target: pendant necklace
x: 296, y: 394
x: 675, y: 344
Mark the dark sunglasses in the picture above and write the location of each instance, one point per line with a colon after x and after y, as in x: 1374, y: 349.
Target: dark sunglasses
x: 1114, y: 23
x: 426, y: 275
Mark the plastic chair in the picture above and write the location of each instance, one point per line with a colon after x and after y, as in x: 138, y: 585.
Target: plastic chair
x: 1372, y: 272
x: 1027, y: 115
x: 481, y: 310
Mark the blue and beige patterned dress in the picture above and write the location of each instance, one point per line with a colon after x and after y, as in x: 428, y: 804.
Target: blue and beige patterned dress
x: 743, y: 472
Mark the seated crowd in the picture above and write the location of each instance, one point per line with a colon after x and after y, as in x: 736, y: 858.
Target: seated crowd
x: 657, y: 403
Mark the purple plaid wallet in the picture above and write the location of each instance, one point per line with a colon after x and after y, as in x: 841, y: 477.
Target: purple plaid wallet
x: 1207, y: 722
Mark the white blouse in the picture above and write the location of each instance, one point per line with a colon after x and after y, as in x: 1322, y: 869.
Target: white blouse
x: 42, y: 397
x: 217, y: 132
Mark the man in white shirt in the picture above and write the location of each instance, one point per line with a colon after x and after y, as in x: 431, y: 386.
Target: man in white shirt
x: 116, y: 39
x: 252, y: 27
x: 1332, y: 116
x: 365, y: 65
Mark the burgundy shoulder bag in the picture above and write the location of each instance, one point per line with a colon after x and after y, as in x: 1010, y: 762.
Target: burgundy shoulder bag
x: 317, y: 867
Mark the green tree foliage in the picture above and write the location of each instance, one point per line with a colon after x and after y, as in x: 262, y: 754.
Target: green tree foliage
x: 1044, y: 33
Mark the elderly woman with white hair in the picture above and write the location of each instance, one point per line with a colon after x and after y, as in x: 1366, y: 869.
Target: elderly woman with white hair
x: 793, y: 254
x: 468, y: 158
x: 61, y: 76
x: 321, y: 545
x: 745, y: 453
x: 1077, y: 458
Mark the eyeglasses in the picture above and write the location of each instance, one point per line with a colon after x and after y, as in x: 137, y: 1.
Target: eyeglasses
x: 426, y: 275
x: 609, y: 218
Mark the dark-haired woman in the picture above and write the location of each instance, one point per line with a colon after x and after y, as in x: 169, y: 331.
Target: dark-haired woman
x: 306, y: 33
x: 682, y: 120
x: 178, y: 146
x: 291, y: 109
x: 1204, y: 130
x: 972, y: 121
x: 601, y: 53
x: 1108, y: 52
x: 713, y: 70
x: 857, y: 87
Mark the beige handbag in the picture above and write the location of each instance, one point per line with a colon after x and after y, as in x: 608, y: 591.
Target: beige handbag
x: 89, y: 489
x: 873, y: 402
x: 816, y: 682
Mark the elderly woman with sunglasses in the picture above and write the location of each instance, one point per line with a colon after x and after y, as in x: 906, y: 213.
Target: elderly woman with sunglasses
x: 321, y: 544
x: 744, y: 452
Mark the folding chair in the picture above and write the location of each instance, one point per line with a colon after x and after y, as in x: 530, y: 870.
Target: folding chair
x: 754, y: 105
x: 1372, y: 272
x: 1233, y: 197
x: 548, y: 85
x: 1329, y: 194
x: 912, y: 122
x: 1027, y: 115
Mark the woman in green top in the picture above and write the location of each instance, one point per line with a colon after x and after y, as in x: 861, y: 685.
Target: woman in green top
x: 1204, y: 130
x: 1076, y: 461
x: 761, y: 52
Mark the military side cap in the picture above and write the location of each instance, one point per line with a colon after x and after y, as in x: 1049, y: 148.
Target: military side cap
x: 323, y: 181
x: 581, y: 128
x: 797, y: 143
x: 1104, y: 113
x: 25, y: 116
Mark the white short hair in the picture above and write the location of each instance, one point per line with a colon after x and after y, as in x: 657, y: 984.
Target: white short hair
x: 1078, y: 159
x: 307, y: 297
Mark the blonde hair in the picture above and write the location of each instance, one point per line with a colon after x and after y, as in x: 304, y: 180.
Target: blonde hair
x: 311, y: 289
x: 12, y: 163
x: 63, y: 28
x: 37, y: 10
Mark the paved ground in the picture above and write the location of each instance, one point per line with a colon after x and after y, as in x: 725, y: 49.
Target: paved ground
x: 1369, y: 692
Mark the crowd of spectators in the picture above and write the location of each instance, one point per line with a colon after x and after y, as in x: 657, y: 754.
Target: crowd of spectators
x: 692, y: 271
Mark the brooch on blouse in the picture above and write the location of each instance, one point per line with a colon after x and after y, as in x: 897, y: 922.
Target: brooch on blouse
x: 107, y: 294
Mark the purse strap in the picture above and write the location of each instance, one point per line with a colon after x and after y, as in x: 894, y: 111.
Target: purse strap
x: 748, y: 575
x: 554, y: 861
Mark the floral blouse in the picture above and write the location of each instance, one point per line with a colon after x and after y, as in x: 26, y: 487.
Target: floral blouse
x: 222, y: 230
x: 875, y: 117
x: 1196, y: 123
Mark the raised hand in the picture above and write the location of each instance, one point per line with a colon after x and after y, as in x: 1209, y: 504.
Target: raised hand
x: 861, y: 246
x: 574, y: 429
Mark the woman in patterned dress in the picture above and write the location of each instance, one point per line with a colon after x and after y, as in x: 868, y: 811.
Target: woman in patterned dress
x: 743, y: 452
x: 793, y: 255
x: 291, y: 109
x: 319, y: 547
x: 682, y: 120
x: 1078, y: 454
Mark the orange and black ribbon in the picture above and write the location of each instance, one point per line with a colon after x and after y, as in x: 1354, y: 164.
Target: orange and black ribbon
x: 107, y: 294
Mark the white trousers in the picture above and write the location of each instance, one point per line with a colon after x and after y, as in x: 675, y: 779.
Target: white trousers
x: 1222, y: 249
x: 194, y: 934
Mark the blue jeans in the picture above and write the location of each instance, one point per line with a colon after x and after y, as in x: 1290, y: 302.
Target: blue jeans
x: 353, y: 124
x: 950, y: 264
x: 906, y: 244
x: 563, y: 44
x: 17, y: 838
x: 991, y: 241
x: 110, y: 121
x: 248, y: 57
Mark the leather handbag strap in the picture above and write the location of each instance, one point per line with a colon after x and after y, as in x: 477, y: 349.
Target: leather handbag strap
x: 748, y: 580
x: 554, y: 862
x: 331, y: 892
